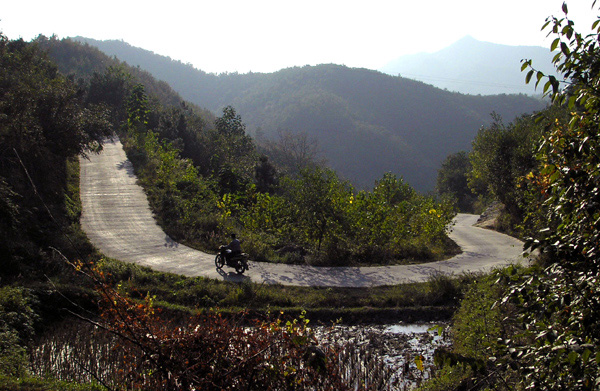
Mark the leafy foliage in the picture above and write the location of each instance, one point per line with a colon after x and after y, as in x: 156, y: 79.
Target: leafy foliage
x: 502, y: 155
x: 560, y: 309
x: 17, y: 321
x: 44, y: 122
x: 311, y: 217
x: 452, y: 181
x: 552, y: 310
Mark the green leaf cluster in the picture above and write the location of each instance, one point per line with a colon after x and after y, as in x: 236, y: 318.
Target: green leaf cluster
x: 45, y: 121
x: 559, y: 307
x: 497, y: 169
x: 17, y: 321
x: 550, y: 313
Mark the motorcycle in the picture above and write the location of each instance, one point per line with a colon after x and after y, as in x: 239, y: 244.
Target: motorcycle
x: 239, y: 261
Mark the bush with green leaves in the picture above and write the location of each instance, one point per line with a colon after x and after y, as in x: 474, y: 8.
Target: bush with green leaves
x: 17, y: 322
x: 452, y: 181
x: 501, y: 157
x: 553, y: 310
x: 549, y: 314
x: 477, y: 327
x: 564, y: 325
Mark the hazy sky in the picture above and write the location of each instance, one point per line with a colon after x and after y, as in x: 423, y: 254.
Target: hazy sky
x: 267, y: 35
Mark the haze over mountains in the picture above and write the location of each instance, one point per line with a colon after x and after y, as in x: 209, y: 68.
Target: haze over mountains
x: 474, y: 67
x: 366, y: 122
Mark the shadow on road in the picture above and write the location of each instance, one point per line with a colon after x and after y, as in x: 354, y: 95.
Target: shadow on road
x: 128, y: 167
x: 170, y: 242
x: 233, y: 276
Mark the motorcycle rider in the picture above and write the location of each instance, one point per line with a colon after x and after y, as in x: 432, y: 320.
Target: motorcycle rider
x: 233, y: 248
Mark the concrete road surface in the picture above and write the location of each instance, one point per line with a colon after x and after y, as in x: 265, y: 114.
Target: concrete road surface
x: 117, y: 219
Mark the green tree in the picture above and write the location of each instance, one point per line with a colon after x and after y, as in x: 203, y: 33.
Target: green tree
x: 551, y: 310
x: 44, y: 122
x: 559, y: 307
x: 318, y: 198
x: 17, y: 321
x: 230, y: 123
x: 501, y: 156
x: 293, y: 152
x: 137, y: 109
x: 452, y: 180
x: 232, y: 152
x: 265, y: 175
x: 111, y: 89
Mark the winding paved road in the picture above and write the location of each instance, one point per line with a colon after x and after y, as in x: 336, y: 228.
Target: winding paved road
x: 117, y: 219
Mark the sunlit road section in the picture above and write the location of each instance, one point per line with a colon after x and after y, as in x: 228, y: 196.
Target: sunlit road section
x: 118, y: 221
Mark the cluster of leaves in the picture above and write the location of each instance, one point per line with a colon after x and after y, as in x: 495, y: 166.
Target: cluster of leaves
x: 17, y: 321
x: 44, y: 121
x: 318, y: 214
x: 477, y: 325
x: 210, y: 351
x: 552, y: 310
x: 560, y: 308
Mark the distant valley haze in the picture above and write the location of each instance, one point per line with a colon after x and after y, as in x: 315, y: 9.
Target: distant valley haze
x: 269, y: 35
x: 474, y: 67
x: 365, y: 122
x: 467, y: 66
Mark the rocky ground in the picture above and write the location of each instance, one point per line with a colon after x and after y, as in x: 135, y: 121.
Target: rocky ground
x: 489, y: 216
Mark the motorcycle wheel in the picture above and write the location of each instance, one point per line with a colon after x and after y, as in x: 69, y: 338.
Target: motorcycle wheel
x: 240, y: 268
x: 219, y: 261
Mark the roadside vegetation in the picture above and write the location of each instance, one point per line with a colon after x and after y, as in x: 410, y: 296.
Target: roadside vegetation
x: 206, y: 178
x: 207, y: 183
x: 538, y: 328
x: 515, y: 329
x: 433, y: 300
x: 51, y: 274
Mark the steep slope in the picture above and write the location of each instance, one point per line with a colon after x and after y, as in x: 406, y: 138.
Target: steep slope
x: 474, y: 67
x: 117, y: 219
x: 366, y: 122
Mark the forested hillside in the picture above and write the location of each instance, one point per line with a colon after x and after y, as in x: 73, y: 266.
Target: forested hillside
x: 204, y: 179
x: 365, y: 122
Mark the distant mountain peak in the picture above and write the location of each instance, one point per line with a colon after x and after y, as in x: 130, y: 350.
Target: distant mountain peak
x: 467, y: 39
x: 475, y: 67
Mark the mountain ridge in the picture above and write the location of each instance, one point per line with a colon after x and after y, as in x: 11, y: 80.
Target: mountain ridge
x: 474, y: 67
x: 365, y: 121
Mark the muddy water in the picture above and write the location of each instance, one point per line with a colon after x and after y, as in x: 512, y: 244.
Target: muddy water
x: 391, y: 357
x: 387, y: 357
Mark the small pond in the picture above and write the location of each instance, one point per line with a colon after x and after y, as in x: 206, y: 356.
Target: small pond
x: 392, y: 357
x: 383, y: 357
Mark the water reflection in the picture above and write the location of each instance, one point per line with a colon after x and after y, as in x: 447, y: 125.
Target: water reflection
x: 389, y: 357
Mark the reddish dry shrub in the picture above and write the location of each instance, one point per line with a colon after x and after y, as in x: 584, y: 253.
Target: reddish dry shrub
x: 212, y: 352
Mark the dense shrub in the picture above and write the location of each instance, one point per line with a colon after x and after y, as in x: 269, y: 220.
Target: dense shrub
x: 17, y: 323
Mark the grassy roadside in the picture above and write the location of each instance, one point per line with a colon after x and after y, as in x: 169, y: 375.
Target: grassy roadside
x: 178, y: 295
x: 62, y: 290
x: 435, y: 299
